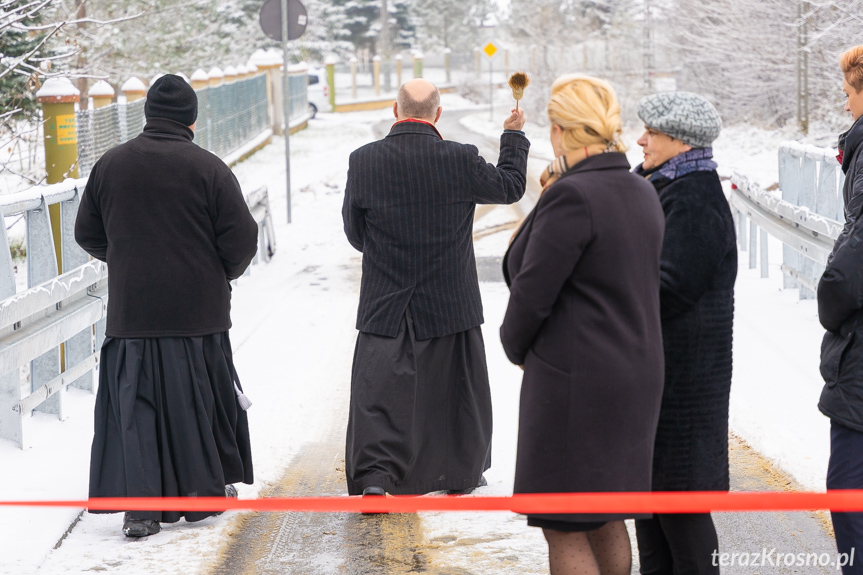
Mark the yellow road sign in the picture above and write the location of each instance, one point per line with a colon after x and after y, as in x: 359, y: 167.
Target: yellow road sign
x: 490, y: 49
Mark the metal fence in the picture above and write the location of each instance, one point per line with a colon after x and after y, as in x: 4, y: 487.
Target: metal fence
x: 806, y: 214
x: 228, y: 116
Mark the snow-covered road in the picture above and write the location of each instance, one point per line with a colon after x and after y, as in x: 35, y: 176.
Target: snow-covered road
x: 294, y: 336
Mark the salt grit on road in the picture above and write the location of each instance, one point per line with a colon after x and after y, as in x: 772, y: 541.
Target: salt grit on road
x: 293, y: 336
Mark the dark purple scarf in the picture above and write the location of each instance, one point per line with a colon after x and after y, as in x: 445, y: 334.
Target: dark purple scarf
x: 695, y: 160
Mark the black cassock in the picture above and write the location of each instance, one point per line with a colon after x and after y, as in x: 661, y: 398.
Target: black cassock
x: 168, y: 423
x: 420, y: 413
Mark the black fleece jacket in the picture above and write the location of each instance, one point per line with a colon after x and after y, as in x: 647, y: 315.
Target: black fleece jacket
x: 171, y: 221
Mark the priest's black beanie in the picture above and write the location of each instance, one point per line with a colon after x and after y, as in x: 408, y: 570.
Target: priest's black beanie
x: 171, y: 97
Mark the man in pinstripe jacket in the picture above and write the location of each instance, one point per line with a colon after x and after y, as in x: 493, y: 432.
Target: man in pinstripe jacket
x: 420, y: 411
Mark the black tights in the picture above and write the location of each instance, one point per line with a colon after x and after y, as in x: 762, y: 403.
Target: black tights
x: 677, y: 544
x: 603, y: 551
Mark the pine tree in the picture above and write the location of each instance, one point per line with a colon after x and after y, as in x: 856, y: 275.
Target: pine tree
x: 20, y: 53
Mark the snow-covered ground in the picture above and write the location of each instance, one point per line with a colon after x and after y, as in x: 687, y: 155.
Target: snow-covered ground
x: 294, y: 335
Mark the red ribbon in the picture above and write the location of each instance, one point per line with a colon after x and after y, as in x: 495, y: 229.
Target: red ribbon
x: 624, y: 503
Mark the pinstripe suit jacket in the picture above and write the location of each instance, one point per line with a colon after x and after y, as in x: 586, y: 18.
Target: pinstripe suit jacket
x: 409, y: 206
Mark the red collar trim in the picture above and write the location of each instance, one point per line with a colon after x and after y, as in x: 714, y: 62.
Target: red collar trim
x: 420, y: 122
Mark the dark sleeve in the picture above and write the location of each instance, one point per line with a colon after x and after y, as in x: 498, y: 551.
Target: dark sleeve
x: 693, y: 248
x: 89, y: 227
x: 235, y: 229
x: 353, y: 216
x: 840, y: 290
x: 561, y: 230
x: 504, y: 183
x: 852, y: 209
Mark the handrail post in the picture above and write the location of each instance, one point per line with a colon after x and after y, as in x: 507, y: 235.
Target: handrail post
x: 42, y: 266
x: 80, y: 346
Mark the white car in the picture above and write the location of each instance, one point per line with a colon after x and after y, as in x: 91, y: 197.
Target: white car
x: 318, y: 91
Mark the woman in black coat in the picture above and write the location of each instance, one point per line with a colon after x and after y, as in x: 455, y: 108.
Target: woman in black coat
x: 583, y: 321
x: 699, y: 267
x: 840, y: 312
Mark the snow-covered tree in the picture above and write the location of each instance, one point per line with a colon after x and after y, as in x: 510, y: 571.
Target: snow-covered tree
x: 746, y: 55
x: 450, y: 24
x: 600, y: 37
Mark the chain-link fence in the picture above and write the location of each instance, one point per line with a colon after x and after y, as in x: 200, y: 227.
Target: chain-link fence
x: 228, y: 116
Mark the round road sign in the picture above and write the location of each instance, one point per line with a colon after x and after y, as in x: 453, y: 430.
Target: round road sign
x: 271, y: 19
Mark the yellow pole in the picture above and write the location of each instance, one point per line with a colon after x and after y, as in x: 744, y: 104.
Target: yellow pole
x: 230, y: 75
x: 102, y: 94
x: 134, y: 89
x: 200, y: 79
x: 399, y: 70
x: 354, y: 77
x: 58, y: 97
x: 331, y: 79
x: 217, y: 77
x: 446, y: 64
x: 418, y: 65
x: 376, y: 74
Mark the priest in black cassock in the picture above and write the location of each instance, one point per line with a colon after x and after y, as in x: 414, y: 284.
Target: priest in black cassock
x: 420, y: 411
x: 170, y: 220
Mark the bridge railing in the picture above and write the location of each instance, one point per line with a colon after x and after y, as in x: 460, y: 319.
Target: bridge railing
x: 51, y: 333
x: 806, y: 214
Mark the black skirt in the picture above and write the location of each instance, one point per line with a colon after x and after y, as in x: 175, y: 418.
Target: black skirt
x: 167, y: 422
x: 420, y: 412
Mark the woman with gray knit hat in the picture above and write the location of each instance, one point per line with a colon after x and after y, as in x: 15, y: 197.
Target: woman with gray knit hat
x: 698, y: 270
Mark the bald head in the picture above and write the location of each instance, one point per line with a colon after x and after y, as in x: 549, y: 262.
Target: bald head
x: 418, y: 99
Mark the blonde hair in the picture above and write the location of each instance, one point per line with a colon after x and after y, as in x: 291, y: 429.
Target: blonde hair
x: 851, y: 63
x: 588, y: 111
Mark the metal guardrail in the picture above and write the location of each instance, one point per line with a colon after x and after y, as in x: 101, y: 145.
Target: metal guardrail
x: 806, y: 214
x: 56, y: 327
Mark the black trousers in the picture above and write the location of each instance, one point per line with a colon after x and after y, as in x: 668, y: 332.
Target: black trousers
x: 845, y: 471
x: 677, y: 544
x: 420, y: 415
x: 167, y: 422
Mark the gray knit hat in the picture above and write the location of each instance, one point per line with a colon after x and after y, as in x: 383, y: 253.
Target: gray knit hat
x: 682, y: 115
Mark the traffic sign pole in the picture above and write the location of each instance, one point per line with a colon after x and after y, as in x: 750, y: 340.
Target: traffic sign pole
x: 490, y: 92
x: 489, y: 50
x: 284, y: 20
x: 286, y: 105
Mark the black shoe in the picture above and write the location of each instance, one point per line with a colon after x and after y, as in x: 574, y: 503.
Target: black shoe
x: 230, y: 493
x: 482, y: 483
x: 139, y: 527
x: 374, y: 491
